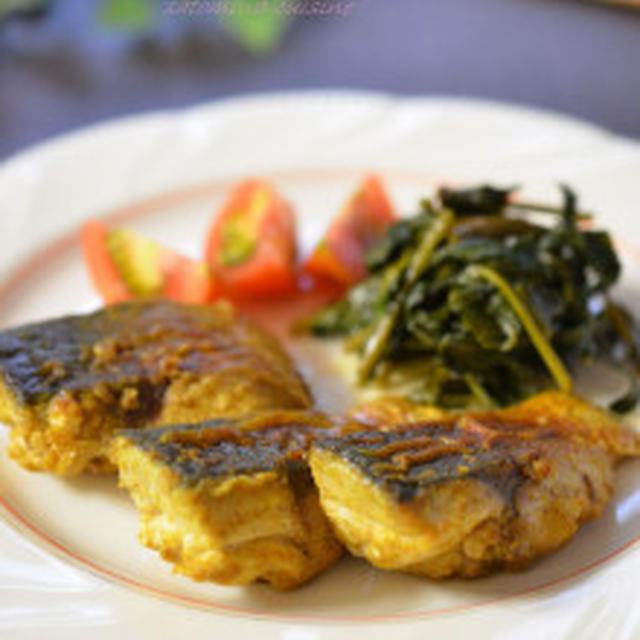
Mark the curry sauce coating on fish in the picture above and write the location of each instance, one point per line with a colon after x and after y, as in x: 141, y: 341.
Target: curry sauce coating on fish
x: 67, y: 384
x: 471, y: 493
x: 231, y: 502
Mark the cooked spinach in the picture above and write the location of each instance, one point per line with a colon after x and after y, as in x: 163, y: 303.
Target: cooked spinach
x: 479, y: 304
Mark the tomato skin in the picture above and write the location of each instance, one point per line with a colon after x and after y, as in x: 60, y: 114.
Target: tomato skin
x: 183, y: 279
x: 326, y: 269
x: 102, y: 269
x: 188, y: 281
x: 363, y: 220
x: 251, y: 245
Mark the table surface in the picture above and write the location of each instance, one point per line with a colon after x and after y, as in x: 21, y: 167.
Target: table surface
x: 580, y: 58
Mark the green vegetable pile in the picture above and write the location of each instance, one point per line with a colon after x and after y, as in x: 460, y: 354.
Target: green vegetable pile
x: 476, y: 302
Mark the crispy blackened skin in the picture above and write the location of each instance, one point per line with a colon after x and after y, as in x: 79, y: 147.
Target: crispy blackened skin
x: 406, y: 460
x: 139, y: 342
x: 67, y: 384
x: 492, y: 446
x: 39, y: 361
x: 224, y: 448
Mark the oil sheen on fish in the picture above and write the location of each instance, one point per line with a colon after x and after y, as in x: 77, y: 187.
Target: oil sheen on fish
x: 466, y: 494
x: 67, y: 384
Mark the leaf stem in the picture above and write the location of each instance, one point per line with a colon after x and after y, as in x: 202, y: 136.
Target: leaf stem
x: 551, y: 359
x: 419, y: 261
x: 544, y: 208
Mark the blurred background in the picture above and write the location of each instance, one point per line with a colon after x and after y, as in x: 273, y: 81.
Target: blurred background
x: 69, y: 63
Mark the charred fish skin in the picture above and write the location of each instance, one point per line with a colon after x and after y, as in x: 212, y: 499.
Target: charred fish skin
x: 219, y: 448
x: 471, y: 493
x: 407, y: 462
x: 231, y: 502
x: 67, y: 384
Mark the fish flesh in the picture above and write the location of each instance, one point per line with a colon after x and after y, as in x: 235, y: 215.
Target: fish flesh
x: 66, y: 385
x: 464, y: 494
x: 232, y: 501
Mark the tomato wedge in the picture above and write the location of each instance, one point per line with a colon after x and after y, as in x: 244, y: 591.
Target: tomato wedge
x: 360, y: 224
x: 251, y: 245
x: 102, y: 269
x: 124, y: 265
x: 189, y: 281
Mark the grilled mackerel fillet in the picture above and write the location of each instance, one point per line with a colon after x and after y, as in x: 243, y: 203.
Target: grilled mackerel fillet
x: 66, y: 385
x: 462, y: 495
x: 231, y: 501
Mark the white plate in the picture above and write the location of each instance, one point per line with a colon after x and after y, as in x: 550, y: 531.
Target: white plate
x: 69, y: 561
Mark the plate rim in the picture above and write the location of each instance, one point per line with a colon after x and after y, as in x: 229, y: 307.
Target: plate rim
x: 334, y: 95
x: 92, y: 132
x: 37, y: 260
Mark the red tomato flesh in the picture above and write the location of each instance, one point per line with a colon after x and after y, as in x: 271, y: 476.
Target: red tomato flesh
x: 361, y: 223
x: 102, y: 269
x: 251, y: 244
x: 188, y: 281
x: 178, y: 278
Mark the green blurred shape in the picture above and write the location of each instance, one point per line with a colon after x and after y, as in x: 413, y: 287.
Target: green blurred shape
x: 258, y: 25
x: 131, y: 15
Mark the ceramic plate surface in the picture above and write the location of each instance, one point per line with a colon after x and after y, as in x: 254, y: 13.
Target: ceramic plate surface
x: 70, y: 564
